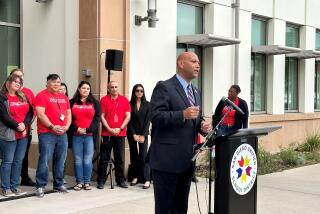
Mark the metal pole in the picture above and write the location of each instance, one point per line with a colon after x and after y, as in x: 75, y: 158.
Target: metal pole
x: 236, y: 6
x: 109, y: 76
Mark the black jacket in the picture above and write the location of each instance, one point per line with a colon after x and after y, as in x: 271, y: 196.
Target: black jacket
x: 241, y: 121
x: 140, y: 120
x: 94, y: 126
x: 172, y: 137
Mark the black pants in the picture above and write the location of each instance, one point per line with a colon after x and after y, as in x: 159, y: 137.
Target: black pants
x: 140, y: 169
x: 25, y: 162
x: 171, y: 191
x: 117, y: 144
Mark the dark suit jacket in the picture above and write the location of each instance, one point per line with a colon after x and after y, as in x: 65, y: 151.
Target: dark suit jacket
x: 172, y: 137
x: 140, y: 120
x: 241, y: 121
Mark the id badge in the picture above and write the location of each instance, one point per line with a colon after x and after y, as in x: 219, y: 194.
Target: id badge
x: 62, y: 117
x: 115, y: 118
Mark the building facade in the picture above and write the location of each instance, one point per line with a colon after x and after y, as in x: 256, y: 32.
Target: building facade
x: 272, y: 56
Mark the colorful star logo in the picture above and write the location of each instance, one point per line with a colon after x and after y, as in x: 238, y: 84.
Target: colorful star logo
x: 244, y: 169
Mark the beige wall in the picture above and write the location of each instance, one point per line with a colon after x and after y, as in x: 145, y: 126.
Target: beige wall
x: 295, y: 128
x: 103, y: 25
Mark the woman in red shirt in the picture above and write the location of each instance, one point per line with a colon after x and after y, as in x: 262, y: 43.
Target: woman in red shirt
x: 233, y: 120
x: 15, y: 116
x: 85, y: 123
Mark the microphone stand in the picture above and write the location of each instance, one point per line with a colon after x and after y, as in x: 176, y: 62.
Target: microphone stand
x: 208, y: 144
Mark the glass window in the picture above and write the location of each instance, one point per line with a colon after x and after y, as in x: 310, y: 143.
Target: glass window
x: 318, y: 40
x: 317, y: 87
x: 10, y: 11
x: 291, y: 85
x: 258, y: 32
x: 189, y: 22
x: 258, y: 83
x: 10, y: 50
x: 189, y: 19
x: 258, y: 66
x: 292, y: 36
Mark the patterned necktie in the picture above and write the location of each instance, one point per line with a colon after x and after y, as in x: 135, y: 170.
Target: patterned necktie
x: 190, y: 96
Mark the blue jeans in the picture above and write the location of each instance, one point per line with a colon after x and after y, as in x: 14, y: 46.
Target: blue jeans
x: 82, y: 148
x: 225, y: 130
x: 49, y: 144
x: 12, y: 153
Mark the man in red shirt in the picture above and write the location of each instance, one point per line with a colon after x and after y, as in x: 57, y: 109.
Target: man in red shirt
x: 25, y: 179
x: 115, y: 116
x: 54, y: 118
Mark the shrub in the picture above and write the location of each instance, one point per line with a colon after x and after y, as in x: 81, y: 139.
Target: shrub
x: 311, y: 144
x: 291, y: 157
x: 266, y: 162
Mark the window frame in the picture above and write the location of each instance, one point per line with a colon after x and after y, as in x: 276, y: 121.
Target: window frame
x: 253, y: 55
x: 317, y: 72
x: 264, y: 19
x: 19, y: 26
x: 317, y: 32
x: 298, y: 86
x: 202, y: 6
x: 292, y: 25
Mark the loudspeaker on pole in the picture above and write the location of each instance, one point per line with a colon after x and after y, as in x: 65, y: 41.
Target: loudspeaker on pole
x: 114, y: 60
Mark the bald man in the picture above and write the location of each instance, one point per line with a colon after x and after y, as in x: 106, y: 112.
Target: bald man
x: 176, y: 121
x: 115, y: 115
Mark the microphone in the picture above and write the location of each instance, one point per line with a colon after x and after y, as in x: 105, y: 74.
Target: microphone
x: 234, y: 106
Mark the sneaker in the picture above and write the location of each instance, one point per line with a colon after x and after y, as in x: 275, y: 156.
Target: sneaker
x: 40, y: 192
x: 123, y: 184
x: 7, y: 193
x: 62, y: 189
x: 18, y: 192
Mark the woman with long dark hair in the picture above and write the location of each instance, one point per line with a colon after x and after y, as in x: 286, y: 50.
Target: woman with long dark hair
x: 137, y: 134
x: 16, y: 114
x: 85, y: 122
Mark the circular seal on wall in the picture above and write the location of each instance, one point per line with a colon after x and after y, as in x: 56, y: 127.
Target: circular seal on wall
x: 243, y: 170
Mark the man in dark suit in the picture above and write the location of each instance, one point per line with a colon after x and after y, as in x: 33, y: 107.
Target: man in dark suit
x: 176, y: 122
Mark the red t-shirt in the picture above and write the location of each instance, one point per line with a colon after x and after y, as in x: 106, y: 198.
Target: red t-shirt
x: 114, y: 112
x: 82, y: 115
x: 229, y: 119
x: 29, y: 95
x: 18, y: 111
x: 56, y: 105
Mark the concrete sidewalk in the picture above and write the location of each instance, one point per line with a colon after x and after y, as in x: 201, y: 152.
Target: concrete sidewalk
x: 291, y: 191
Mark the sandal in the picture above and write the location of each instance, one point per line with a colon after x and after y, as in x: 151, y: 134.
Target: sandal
x: 78, y: 187
x: 87, y: 187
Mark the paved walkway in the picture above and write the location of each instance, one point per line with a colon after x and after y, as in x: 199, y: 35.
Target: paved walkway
x: 291, y: 191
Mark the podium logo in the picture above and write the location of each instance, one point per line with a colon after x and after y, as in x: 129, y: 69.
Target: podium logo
x: 243, y: 170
